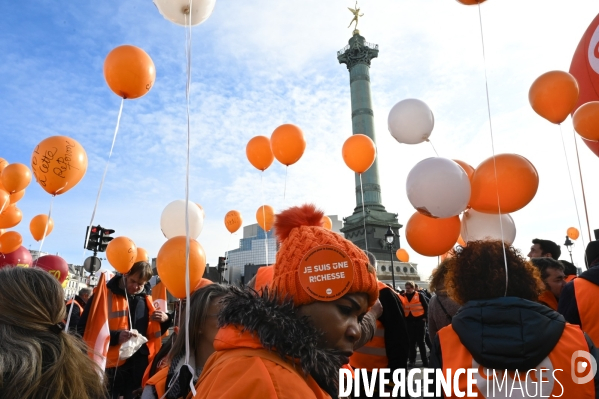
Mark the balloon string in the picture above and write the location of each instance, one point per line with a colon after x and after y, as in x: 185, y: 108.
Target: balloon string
x: 264, y: 219
x: 187, y: 288
x: 227, y: 253
x: 584, y: 198
x: 482, y: 39
x: 39, y: 252
x: 434, y: 149
x: 285, y: 189
x: 363, y: 213
x: 571, y: 182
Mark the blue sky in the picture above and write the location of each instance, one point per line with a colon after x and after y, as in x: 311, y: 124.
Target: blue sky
x: 260, y: 64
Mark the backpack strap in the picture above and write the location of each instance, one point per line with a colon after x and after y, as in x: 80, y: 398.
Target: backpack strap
x: 443, y: 309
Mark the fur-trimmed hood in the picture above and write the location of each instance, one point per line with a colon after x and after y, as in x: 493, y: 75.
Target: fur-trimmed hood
x: 278, y: 327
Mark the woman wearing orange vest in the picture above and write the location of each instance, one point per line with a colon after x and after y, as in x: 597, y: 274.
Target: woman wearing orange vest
x: 291, y: 341
x: 415, y: 307
x: 506, y: 333
x: 203, y: 312
x: 129, y: 299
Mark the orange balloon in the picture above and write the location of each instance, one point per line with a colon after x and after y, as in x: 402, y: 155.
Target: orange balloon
x: 461, y: 241
x: 287, y: 144
x: 11, y: 217
x: 58, y: 164
x: 517, y: 180
x: 359, y: 153
x: 233, y: 221
x: 402, y: 255
x: 586, y: 120
x: 471, y: 2
x: 265, y: 216
x: 467, y: 168
x: 2, y: 231
x: 3, y: 164
x: 15, y: 197
x: 432, y: 237
x: 129, y: 71
x: 170, y: 265
x: 259, y: 153
x: 142, y: 255
x: 554, y: 95
x: 573, y: 233
x: 15, y: 177
x: 327, y: 223
x: 37, y: 226
x: 4, y: 200
x: 10, y: 242
x: 121, y: 253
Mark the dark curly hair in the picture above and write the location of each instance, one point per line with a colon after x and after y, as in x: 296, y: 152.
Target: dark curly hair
x: 478, y: 272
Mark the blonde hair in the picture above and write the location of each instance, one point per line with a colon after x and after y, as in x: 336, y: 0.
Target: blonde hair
x: 437, y: 281
x: 37, y: 359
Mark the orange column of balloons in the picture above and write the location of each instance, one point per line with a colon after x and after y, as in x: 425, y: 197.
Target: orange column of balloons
x: 121, y: 253
x: 259, y: 153
x: 288, y: 144
x: 142, y: 255
x: 233, y: 221
x: 553, y: 95
x: 359, y: 153
x: 432, y: 237
x: 37, y: 226
x: 517, y: 184
x: 4, y: 200
x: 58, y: 164
x: 10, y: 242
x: 265, y: 216
x: 171, y: 265
x: 15, y: 177
x: 402, y: 255
x: 327, y: 223
x: 467, y: 168
x: 15, y: 197
x: 586, y: 120
x: 10, y: 217
x: 3, y: 164
x: 573, y: 233
x: 129, y: 72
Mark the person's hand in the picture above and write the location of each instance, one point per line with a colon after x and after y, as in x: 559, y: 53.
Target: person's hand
x: 125, y: 336
x: 159, y: 316
x: 376, y: 309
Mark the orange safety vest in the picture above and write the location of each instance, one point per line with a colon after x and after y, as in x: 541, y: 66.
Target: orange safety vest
x: 588, y: 307
x: 71, y: 301
x: 158, y: 380
x: 118, y: 319
x: 374, y: 353
x: 414, y: 306
x: 555, y: 383
x: 547, y: 298
x: 570, y: 278
x: 264, y: 277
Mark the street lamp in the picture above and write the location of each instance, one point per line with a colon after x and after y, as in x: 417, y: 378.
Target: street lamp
x: 568, y: 244
x: 390, y: 237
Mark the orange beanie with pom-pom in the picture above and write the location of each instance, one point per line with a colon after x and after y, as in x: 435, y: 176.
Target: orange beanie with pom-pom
x: 300, y: 232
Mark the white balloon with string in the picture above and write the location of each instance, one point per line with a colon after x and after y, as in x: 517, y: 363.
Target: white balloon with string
x: 478, y: 226
x: 178, y: 11
x: 438, y: 187
x: 411, y: 121
x: 172, y: 220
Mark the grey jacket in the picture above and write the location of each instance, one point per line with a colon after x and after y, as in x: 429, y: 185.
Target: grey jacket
x: 437, y: 319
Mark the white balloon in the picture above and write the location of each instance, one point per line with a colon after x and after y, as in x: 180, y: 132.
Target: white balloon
x: 478, y: 226
x: 172, y: 220
x: 438, y: 187
x: 177, y: 11
x: 411, y: 121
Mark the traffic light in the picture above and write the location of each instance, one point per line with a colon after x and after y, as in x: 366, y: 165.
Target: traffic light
x: 92, y: 238
x: 105, y: 239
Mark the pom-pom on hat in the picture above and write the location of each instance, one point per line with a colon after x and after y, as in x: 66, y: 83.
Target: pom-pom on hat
x: 302, y: 237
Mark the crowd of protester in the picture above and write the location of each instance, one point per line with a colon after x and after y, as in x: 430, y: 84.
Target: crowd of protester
x: 487, y: 306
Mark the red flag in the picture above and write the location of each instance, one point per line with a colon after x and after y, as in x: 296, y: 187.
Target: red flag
x: 97, y: 333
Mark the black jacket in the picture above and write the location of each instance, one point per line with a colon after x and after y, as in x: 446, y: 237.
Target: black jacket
x: 75, y: 316
x: 567, y: 301
x: 508, y: 334
x: 396, y: 331
x: 139, y: 314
